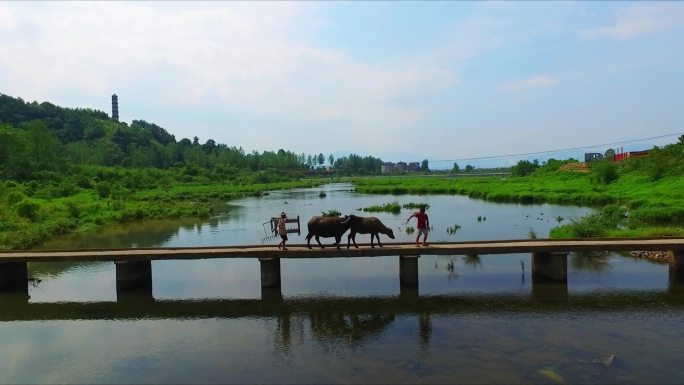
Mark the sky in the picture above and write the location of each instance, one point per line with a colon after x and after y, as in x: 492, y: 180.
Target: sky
x: 465, y: 82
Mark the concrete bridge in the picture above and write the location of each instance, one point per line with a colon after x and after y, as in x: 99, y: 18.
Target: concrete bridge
x: 134, y: 267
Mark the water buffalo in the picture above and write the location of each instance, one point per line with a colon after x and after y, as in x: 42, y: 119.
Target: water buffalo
x: 365, y: 225
x: 327, y: 227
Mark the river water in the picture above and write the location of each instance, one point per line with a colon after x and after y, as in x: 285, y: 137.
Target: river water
x: 470, y: 320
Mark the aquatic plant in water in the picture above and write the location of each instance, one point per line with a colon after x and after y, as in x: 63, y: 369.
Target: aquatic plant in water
x: 394, y: 208
x: 453, y: 229
x: 331, y: 213
x: 412, y: 205
x: 472, y: 260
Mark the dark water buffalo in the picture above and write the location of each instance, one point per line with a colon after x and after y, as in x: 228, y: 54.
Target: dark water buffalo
x: 327, y: 227
x: 366, y: 225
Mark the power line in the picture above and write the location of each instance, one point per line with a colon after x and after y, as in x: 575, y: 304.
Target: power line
x: 559, y: 150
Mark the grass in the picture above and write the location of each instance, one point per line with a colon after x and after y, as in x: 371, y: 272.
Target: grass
x: 654, y: 206
x: 28, y: 217
x: 331, y: 213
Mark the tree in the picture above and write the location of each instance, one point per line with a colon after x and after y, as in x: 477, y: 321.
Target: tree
x: 209, y: 146
x: 609, y: 154
x: 424, y: 165
x: 469, y: 168
x: 455, y: 169
x: 524, y: 167
x: 331, y: 160
x: 12, y: 152
x: 321, y: 159
x: 681, y: 140
x: 43, y: 144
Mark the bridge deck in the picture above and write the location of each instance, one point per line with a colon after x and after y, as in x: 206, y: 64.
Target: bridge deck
x: 301, y: 251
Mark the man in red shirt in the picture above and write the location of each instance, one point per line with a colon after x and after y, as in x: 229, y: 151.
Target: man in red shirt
x: 423, y: 225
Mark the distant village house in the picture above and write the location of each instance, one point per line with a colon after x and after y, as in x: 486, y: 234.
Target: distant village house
x: 390, y: 167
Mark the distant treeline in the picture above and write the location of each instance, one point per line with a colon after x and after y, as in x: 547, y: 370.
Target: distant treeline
x: 38, y: 141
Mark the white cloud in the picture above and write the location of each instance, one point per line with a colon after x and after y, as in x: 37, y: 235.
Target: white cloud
x: 227, y: 58
x: 640, y: 19
x: 7, y: 19
x: 531, y: 82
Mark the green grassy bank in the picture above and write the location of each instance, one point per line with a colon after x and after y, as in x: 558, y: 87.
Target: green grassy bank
x: 30, y: 214
x: 633, y: 205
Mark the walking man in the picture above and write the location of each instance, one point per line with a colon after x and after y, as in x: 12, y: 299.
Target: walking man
x: 282, y: 231
x: 423, y: 225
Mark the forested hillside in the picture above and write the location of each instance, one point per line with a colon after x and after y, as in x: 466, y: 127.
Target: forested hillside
x: 38, y: 140
x: 65, y: 170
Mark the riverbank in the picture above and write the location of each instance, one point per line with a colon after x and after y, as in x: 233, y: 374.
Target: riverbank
x: 655, y: 256
x: 27, y: 218
x: 633, y: 206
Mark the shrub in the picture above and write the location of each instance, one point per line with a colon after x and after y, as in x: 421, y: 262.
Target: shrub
x: 523, y: 167
x: 27, y: 209
x: 66, y: 189
x: 604, y: 172
x: 591, y: 226
x: 63, y: 226
x: 73, y: 209
x: 104, y: 189
x: 14, y: 197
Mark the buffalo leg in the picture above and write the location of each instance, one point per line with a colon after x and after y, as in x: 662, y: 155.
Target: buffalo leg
x: 352, y: 237
x: 319, y: 242
x: 337, y: 241
x: 308, y: 239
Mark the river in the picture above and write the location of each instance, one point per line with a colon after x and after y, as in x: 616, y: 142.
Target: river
x: 471, y: 319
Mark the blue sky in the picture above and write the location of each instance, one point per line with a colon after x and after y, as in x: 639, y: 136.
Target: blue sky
x: 405, y: 81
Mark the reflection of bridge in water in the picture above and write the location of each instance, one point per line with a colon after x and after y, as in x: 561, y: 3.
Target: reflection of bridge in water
x: 134, y: 265
x: 351, y: 321
x: 543, y: 298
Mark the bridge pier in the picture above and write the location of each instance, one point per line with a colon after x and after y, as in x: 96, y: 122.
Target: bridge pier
x: 270, y: 273
x: 13, y: 300
x: 550, y: 267
x: 550, y: 292
x: 134, y: 276
x: 272, y: 294
x: 425, y: 328
x: 408, y: 270
x: 13, y: 276
x: 676, y: 270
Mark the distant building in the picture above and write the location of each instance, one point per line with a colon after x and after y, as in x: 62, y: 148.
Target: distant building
x: 401, y: 166
x: 115, y: 108
x: 630, y: 154
x: 387, y: 167
x: 413, y: 166
x: 591, y: 156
